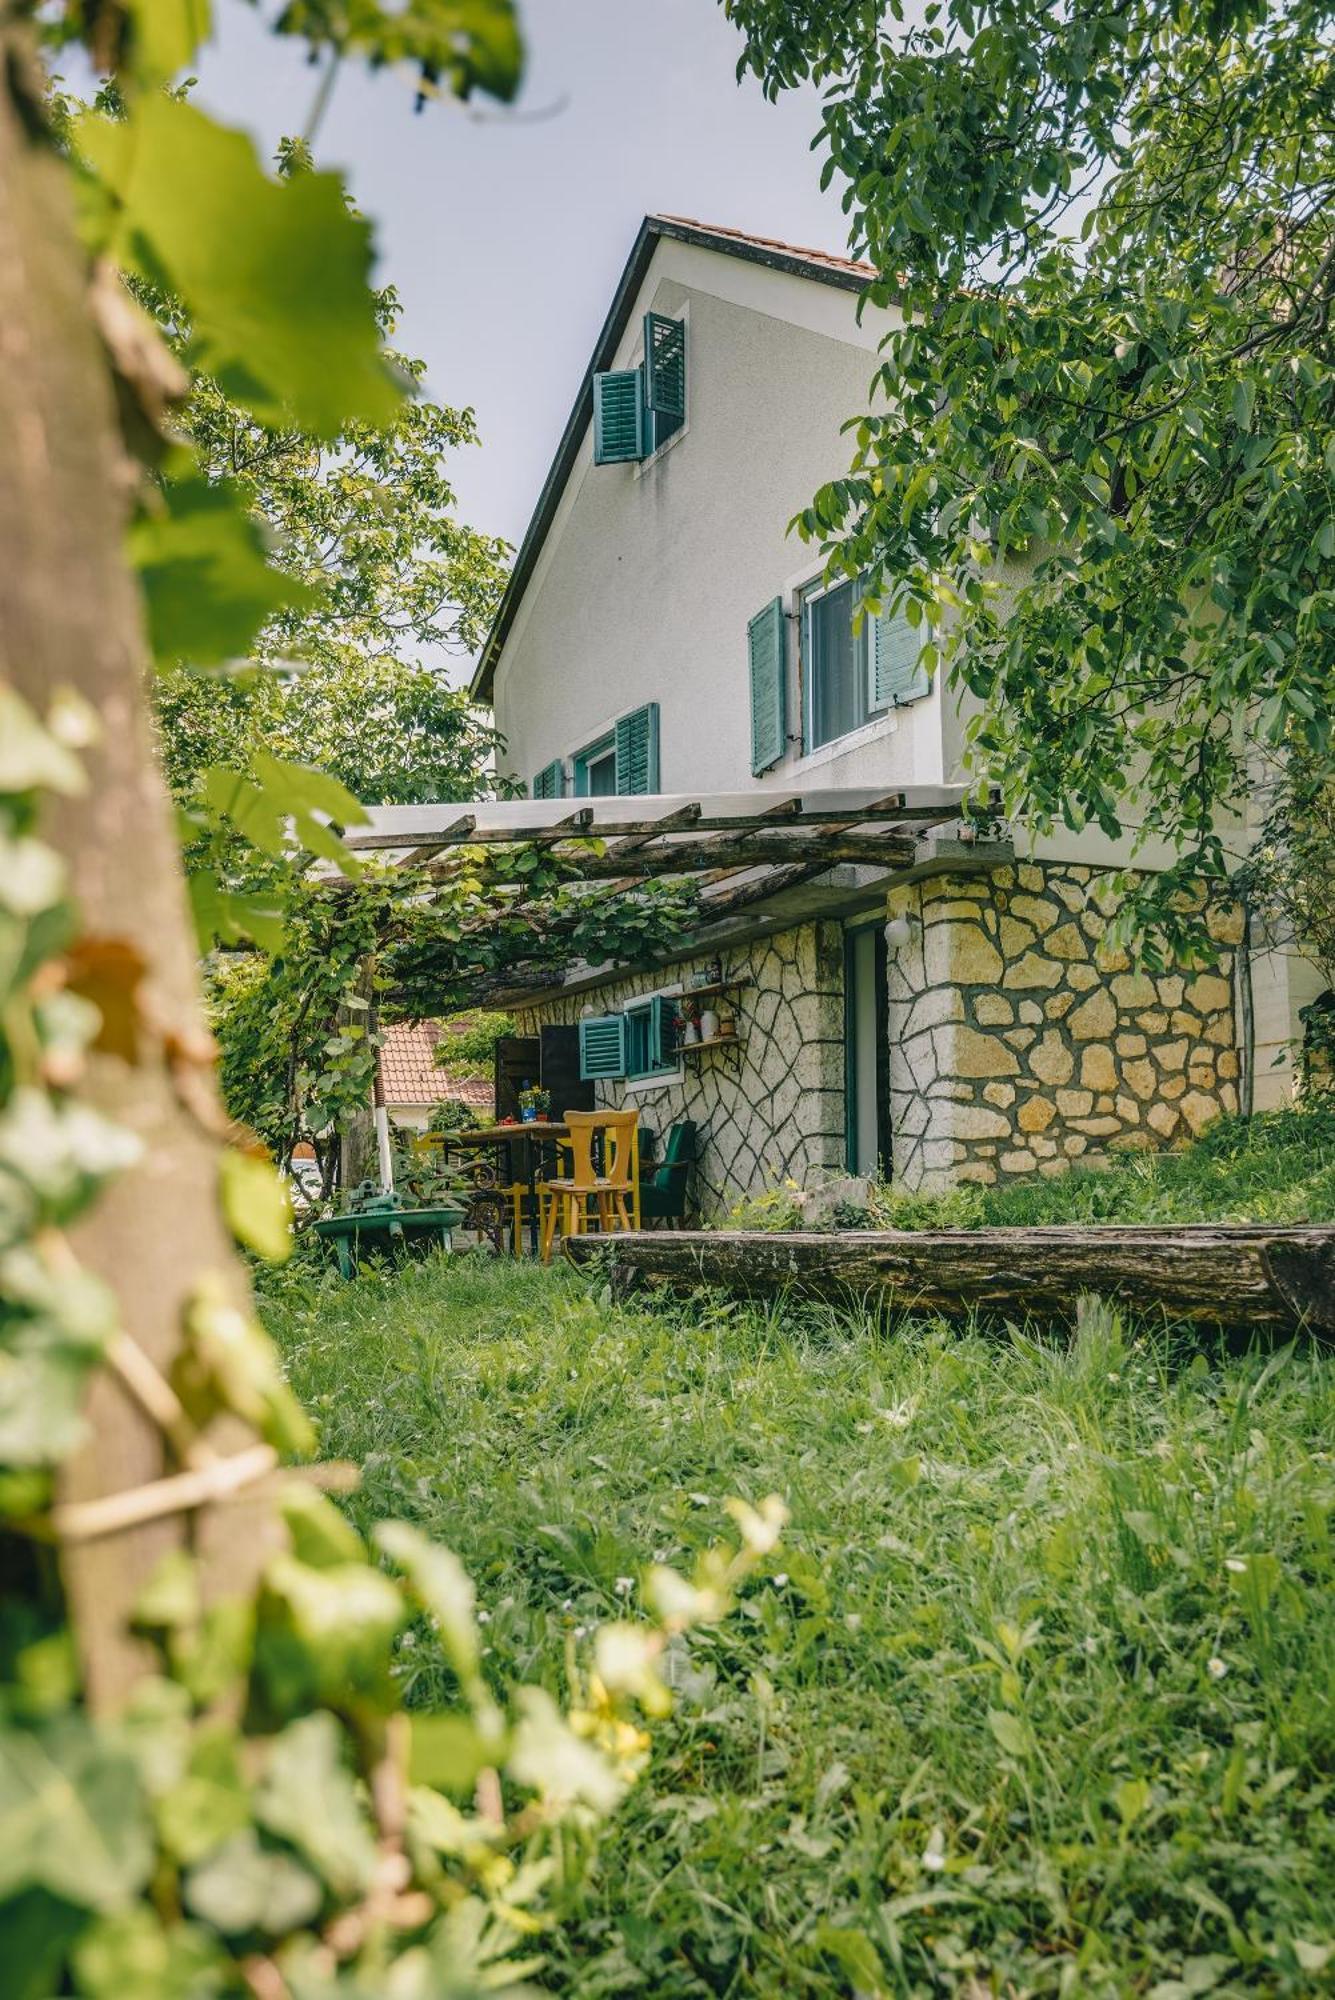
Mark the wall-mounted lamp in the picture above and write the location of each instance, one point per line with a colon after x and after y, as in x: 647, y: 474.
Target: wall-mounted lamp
x: 899, y: 932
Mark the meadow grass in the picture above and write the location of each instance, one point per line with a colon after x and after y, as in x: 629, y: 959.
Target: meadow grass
x: 1035, y: 1697
x: 1276, y: 1167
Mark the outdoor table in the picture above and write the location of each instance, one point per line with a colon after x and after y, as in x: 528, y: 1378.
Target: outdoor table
x: 396, y: 1228
x: 530, y: 1137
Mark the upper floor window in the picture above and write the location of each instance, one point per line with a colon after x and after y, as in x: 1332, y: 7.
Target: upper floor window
x: 835, y: 648
x: 851, y: 669
x: 635, y: 410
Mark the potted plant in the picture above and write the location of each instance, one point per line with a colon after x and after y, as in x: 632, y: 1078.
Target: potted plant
x: 534, y: 1103
x: 688, y: 1021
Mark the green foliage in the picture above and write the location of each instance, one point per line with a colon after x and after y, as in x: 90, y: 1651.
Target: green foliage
x: 252, y: 1818
x: 1033, y: 1698
x: 1100, y: 468
x: 1275, y: 1167
x: 1289, y: 877
x: 273, y: 274
x: 251, y: 1821
x: 468, y: 1046
x: 293, y: 1064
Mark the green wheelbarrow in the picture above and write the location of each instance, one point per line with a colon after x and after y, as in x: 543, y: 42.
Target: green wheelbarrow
x: 382, y: 1224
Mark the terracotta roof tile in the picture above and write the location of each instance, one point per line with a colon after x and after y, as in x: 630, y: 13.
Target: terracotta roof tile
x: 411, y: 1074
x: 810, y: 256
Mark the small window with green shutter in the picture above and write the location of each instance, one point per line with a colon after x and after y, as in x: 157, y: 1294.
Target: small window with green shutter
x: 624, y: 761
x: 664, y: 376
x: 767, y: 658
x: 637, y: 751
x: 895, y: 671
x: 618, y: 416
x: 635, y: 410
x: 549, y: 782
x: 650, y: 1046
x: 602, y: 1047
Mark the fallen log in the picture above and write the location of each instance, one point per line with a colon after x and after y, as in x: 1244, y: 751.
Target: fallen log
x: 1236, y: 1275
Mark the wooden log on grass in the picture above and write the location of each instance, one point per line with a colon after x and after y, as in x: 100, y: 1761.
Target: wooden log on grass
x: 1275, y: 1280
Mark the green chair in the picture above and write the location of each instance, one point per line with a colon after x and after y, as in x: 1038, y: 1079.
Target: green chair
x: 663, y: 1185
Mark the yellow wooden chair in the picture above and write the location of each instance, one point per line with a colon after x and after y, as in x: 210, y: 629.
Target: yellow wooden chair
x: 572, y: 1201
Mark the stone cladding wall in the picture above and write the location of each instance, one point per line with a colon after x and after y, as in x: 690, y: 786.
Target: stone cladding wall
x: 1021, y: 1042
x: 774, y: 1106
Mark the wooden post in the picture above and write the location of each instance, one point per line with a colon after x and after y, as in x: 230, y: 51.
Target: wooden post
x: 357, y: 1138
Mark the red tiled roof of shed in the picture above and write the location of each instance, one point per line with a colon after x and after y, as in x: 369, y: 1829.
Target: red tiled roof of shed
x: 411, y: 1075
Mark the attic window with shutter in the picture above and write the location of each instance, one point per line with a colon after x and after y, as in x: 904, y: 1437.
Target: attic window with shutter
x: 635, y: 410
x: 549, y: 782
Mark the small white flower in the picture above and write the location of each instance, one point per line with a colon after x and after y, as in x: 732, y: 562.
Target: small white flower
x: 583, y: 1631
x: 624, y: 1586
x: 934, y: 1854
x: 569, y: 1604
x: 779, y: 1579
x: 1238, y: 1565
x: 484, y: 1617
x: 408, y: 1641
x: 1216, y: 1668
x: 1113, y: 1376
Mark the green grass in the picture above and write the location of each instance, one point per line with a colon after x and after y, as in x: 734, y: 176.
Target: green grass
x: 1034, y: 1698
x: 1278, y: 1167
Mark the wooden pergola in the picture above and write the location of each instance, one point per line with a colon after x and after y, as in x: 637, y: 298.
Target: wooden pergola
x: 742, y: 848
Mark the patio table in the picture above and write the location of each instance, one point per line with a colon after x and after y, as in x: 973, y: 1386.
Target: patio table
x: 530, y: 1138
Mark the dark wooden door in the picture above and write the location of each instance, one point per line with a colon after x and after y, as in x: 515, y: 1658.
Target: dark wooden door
x: 560, y: 1071
x: 518, y: 1061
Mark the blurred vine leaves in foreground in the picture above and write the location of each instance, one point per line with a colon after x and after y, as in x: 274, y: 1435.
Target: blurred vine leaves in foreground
x: 270, y: 277
x: 240, y: 1806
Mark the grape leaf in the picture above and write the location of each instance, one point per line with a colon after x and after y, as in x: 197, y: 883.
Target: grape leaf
x: 273, y: 274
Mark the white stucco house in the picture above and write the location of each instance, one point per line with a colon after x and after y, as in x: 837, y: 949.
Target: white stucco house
x: 664, y: 635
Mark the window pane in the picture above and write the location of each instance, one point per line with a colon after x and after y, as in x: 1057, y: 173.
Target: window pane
x: 602, y: 775
x: 837, y: 666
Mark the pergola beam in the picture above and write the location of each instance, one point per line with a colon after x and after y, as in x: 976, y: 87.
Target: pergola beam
x: 824, y: 848
x: 507, y: 823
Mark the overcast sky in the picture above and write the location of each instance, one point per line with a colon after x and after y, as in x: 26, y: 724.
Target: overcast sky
x: 505, y: 234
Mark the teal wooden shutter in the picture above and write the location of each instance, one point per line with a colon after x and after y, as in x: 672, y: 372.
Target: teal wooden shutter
x: 602, y: 1046
x: 767, y: 653
x: 665, y: 373
x: 663, y: 1033
x: 893, y: 666
x: 618, y: 416
x: 550, y: 781
x: 637, y: 751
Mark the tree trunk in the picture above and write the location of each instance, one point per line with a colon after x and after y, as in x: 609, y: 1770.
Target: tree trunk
x: 70, y: 617
x: 1276, y: 1279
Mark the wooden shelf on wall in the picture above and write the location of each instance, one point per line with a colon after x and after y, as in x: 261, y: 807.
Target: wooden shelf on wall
x: 719, y: 986
x: 716, y: 1042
